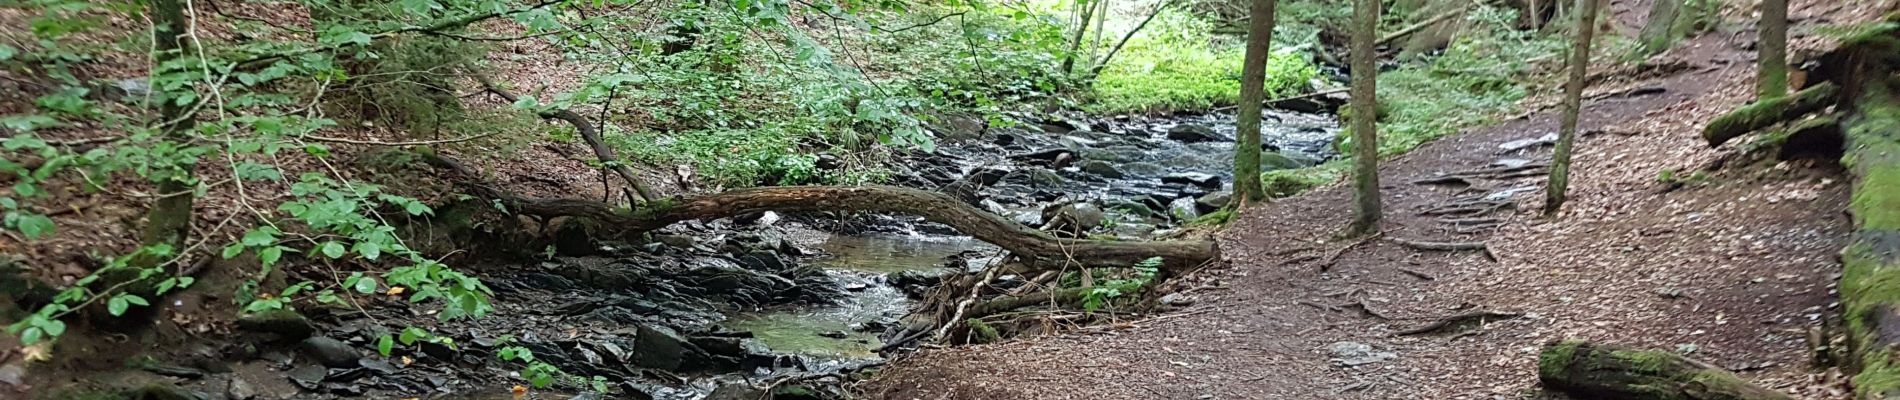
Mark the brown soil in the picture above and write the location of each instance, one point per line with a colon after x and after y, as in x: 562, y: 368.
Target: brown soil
x: 1733, y: 269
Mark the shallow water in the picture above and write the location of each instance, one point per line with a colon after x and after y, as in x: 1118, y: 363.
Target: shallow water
x: 859, y: 262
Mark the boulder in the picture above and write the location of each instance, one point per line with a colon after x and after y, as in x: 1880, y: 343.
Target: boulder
x: 287, y: 324
x: 959, y: 127
x: 1184, y: 209
x: 1143, y: 168
x: 659, y: 347
x: 1214, y: 201
x: 1194, y: 133
x: 330, y: 352
x: 1102, y: 169
x: 1193, y: 179
x: 1076, y: 219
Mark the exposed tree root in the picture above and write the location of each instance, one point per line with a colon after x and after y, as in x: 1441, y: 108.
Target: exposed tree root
x: 1459, y: 322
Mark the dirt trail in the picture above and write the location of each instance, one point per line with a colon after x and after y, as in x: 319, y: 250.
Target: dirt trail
x: 1734, y: 269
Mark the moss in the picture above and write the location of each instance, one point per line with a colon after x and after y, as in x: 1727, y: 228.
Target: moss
x: 1643, y: 361
x: 1555, y: 357
x: 1292, y: 182
x: 1879, y: 376
x: 1214, y: 218
x: 982, y: 332
x: 654, y: 208
x: 1876, y: 202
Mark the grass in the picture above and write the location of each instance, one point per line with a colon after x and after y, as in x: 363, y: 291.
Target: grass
x: 1177, y: 64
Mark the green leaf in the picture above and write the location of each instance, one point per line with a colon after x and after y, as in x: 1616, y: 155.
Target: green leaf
x: 34, y: 226
x: 7, y: 52
x: 30, y: 336
x: 116, y: 306
x: 233, y: 250
x: 363, y: 284
x: 385, y: 344
x: 270, y: 255
x: 134, y: 299
x: 54, y: 327
x: 369, y: 250
x: 260, y: 236
x: 411, y: 334
x: 333, y: 249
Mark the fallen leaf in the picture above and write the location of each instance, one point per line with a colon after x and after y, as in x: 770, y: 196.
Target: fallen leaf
x: 394, y: 291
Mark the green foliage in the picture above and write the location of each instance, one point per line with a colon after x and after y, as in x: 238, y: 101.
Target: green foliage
x: 1477, y: 78
x: 541, y: 375
x: 1176, y: 64
x: 1099, y: 296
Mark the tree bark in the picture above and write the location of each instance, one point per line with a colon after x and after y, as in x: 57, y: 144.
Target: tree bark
x: 1659, y: 33
x: 1588, y: 370
x: 1770, y: 111
x: 1365, y: 115
x: 1081, y: 29
x: 603, y: 153
x: 1579, y: 67
x: 1772, y: 72
x: 1253, y: 94
x: 168, y: 222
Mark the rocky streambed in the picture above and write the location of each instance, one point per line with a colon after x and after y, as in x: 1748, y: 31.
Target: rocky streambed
x: 725, y: 309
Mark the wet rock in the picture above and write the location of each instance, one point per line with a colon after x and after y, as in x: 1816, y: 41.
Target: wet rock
x: 1053, y: 158
x: 677, y: 241
x: 762, y: 261
x: 166, y: 391
x: 330, y: 352
x: 309, y: 377
x: 1193, y: 178
x: 736, y: 391
x: 1134, y: 229
x: 240, y: 389
x: 1075, y: 219
x: 175, y: 371
x: 378, y: 366
x: 1184, y: 209
x: 1353, y: 354
x: 658, y: 347
x: 835, y: 334
x: 1194, y: 133
x: 959, y: 127
x: 1143, y: 168
x: 919, y: 277
x: 287, y: 324
x: 1041, y: 176
x: 1214, y: 201
x: 1102, y: 169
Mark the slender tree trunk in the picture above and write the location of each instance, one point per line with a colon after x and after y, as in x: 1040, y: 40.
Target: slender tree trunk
x: 1101, y: 27
x: 1365, y: 116
x: 1253, y: 92
x: 1075, y: 41
x: 168, y: 222
x: 1579, y: 66
x: 1772, y: 78
x: 1660, y: 32
x: 1097, y: 69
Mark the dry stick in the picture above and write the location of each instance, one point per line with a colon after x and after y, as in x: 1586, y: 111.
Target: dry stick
x: 1448, y: 246
x: 1442, y: 323
x: 605, y: 154
x: 1395, y: 35
x: 1097, y: 69
x: 1327, y: 264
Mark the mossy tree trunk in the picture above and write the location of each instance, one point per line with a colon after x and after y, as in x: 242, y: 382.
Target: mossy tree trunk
x: 1365, y: 115
x: 1659, y: 32
x: 1579, y: 67
x: 1772, y: 72
x: 1253, y: 79
x: 1770, y: 111
x: 1594, y: 371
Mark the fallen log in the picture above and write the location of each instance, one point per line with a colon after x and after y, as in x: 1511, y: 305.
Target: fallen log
x: 1592, y: 371
x: 1768, y: 112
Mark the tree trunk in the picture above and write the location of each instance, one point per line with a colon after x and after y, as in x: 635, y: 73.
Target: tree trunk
x: 1593, y: 371
x: 1365, y: 115
x: 1659, y: 33
x: 1097, y: 70
x: 1253, y: 80
x: 1037, y: 249
x: 1075, y: 41
x: 1772, y: 73
x: 1770, y: 111
x: 1579, y: 67
x: 168, y: 222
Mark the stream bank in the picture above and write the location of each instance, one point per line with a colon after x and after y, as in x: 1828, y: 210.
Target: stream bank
x: 708, y: 307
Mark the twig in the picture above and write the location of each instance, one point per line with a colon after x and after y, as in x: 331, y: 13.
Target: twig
x: 1327, y: 264
x: 1481, y: 316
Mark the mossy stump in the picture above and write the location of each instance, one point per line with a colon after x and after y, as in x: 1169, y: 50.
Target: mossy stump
x: 1870, y: 265
x: 1592, y: 371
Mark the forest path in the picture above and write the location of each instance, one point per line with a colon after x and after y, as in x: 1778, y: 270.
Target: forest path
x: 1733, y: 269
